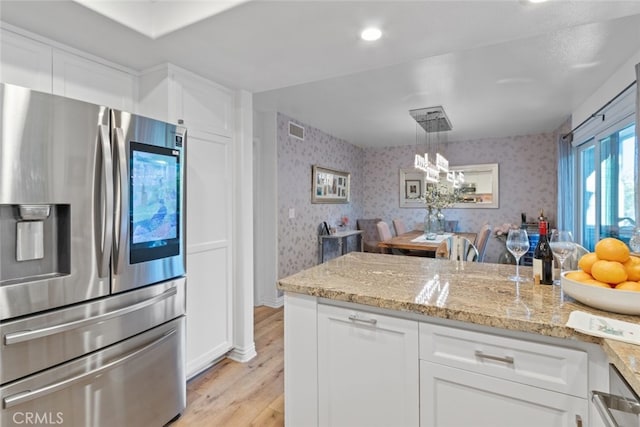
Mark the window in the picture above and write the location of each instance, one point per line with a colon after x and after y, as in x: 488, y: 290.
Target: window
x: 606, y: 184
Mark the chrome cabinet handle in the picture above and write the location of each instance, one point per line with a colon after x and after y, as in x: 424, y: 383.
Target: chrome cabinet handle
x: 17, y: 337
x: 28, y: 395
x: 106, y: 236
x: 599, y: 399
x: 507, y: 359
x: 356, y: 318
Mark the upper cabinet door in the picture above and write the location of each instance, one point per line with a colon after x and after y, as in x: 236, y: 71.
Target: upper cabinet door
x: 202, y: 104
x: 90, y: 81
x: 24, y: 62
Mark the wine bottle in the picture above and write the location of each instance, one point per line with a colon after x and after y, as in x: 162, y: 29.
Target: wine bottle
x: 543, y: 257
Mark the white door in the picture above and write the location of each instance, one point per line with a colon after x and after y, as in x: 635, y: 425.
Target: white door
x: 451, y: 397
x: 367, y: 369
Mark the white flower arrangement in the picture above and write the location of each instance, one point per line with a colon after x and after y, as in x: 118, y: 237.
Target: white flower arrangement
x: 440, y: 196
x: 501, y: 231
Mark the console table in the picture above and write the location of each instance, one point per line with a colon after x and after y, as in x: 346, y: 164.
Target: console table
x: 342, y: 237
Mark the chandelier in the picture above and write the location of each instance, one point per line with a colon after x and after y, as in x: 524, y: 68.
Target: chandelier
x: 434, y: 121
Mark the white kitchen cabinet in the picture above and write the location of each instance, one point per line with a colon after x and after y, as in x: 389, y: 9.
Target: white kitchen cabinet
x: 481, y: 379
x: 171, y: 93
x: 367, y: 369
x: 87, y: 80
x: 25, y: 62
x: 537, y: 364
x: 204, y: 105
x: 350, y: 364
x: 209, y: 268
x: 452, y: 397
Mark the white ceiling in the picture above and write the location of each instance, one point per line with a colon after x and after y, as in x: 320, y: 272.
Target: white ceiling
x: 498, y: 67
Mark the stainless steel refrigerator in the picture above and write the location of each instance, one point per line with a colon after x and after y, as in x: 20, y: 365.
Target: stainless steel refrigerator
x: 92, y: 264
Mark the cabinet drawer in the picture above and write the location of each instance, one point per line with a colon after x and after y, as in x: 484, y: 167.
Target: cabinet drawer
x: 541, y: 365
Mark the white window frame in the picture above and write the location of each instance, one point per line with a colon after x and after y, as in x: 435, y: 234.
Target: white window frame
x: 613, y: 118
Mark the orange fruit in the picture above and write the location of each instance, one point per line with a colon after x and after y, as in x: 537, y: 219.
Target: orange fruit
x: 632, y: 266
x: 611, y: 249
x: 586, y: 261
x: 611, y: 272
x: 628, y: 286
x: 578, y: 276
x: 594, y: 282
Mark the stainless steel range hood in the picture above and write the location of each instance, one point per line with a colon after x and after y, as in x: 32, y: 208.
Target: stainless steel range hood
x: 432, y: 119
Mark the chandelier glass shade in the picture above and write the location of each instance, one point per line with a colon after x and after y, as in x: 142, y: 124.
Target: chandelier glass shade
x: 435, y: 165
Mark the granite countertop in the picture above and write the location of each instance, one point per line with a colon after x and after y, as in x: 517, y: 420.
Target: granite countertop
x: 471, y: 292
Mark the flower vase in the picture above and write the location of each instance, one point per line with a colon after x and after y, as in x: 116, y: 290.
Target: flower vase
x: 430, y: 224
x: 440, y: 219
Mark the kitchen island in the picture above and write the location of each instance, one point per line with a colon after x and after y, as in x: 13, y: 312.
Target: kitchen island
x: 439, y: 343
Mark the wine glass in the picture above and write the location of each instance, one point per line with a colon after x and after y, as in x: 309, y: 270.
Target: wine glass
x: 518, y: 245
x: 562, y: 246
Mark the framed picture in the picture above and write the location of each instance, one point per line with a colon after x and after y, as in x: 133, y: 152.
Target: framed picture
x: 329, y: 186
x: 411, y: 188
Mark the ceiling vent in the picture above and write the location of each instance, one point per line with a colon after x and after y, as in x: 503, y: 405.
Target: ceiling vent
x: 296, y: 131
x: 432, y: 119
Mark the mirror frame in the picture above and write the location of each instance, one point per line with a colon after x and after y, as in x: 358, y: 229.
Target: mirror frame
x: 489, y: 168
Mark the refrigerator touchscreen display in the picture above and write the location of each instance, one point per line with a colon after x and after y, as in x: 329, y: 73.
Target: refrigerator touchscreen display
x: 154, y: 202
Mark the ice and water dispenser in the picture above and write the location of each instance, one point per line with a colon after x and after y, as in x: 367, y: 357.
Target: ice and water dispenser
x: 34, y: 242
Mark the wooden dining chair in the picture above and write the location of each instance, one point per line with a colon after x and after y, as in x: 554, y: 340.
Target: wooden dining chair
x: 457, y: 248
x: 399, y: 226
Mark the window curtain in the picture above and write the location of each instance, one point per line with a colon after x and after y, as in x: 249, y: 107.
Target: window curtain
x: 566, y: 186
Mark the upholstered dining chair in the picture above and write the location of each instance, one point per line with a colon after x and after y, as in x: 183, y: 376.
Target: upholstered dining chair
x: 450, y: 225
x: 457, y: 248
x: 399, y: 226
x: 481, y: 241
x: 369, y: 234
x: 384, y: 233
x: 572, y: 262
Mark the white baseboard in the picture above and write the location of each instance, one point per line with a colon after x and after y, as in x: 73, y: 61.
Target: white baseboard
x: 243, y: 355
x: 273, y: 302
x: 206, y: 360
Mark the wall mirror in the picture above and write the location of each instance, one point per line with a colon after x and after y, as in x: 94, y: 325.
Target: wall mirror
x: 480, y: 188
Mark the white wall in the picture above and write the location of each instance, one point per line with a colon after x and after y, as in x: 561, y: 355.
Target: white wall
x: 265, y: 201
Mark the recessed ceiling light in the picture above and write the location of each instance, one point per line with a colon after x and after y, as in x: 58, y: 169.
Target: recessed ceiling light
x: 371, y: 34
x: 537, y: 1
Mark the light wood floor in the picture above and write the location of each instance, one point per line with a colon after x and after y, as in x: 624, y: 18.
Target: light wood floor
x: 243, y: 394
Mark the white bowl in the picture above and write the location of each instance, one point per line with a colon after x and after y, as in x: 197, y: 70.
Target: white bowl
x: 614, y: 300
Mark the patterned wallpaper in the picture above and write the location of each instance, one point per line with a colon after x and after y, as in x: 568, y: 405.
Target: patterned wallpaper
x: 527, y: 175
x: 297, y: 237
x: 528, y: 183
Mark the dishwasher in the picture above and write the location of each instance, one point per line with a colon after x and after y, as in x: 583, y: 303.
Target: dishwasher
x: 621, y: 406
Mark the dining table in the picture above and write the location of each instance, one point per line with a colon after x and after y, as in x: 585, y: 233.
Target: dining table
x: 416, y: 241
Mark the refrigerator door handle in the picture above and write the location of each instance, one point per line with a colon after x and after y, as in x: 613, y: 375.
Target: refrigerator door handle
x: 21, y: 336
x: 28, y: 395
x: 121, y: 200
x: 106, y: 237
